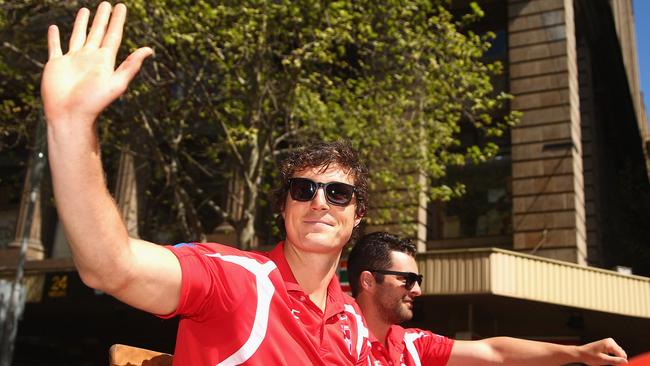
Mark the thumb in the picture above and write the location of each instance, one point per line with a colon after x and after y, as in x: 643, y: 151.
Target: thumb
x: 129, y: 68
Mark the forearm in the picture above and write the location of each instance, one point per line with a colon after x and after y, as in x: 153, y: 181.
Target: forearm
x: 513, y: 351
x: 94, y: 229
x: 138, y: 272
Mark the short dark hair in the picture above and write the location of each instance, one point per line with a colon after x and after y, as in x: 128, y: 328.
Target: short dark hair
x: 372, y: 251
x: 322, y: 155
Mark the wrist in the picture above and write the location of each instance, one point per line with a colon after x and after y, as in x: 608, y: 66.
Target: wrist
x: 576, y: 353
x: 71, y: 133
x: 66, y: 121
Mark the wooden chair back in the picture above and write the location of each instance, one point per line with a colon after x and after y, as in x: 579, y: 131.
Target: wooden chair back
x: 123, y: 355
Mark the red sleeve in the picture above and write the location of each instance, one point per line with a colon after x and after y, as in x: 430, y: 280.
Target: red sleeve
x: 210, y: 287
x: 433, y: 349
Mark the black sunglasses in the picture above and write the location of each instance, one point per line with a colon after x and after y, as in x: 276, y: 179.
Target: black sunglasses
x: 410, y: 278
x: 336, y: 193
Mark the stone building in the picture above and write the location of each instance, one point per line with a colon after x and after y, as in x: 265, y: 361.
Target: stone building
x: 533, y: 249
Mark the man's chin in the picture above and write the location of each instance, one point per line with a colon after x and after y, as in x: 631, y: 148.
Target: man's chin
x: 404, y: 316
x: 322, y: 242
x: 324, y: 238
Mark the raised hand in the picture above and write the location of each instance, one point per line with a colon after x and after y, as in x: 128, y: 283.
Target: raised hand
x: 77, y: 86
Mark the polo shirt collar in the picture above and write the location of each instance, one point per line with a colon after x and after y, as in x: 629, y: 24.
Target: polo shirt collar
x: 395, y: 336
x: 277, y: 256
x: 394, y: 340
x: 335, y: 296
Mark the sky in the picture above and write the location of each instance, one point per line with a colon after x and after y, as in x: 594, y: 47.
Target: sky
x: 642, y: 23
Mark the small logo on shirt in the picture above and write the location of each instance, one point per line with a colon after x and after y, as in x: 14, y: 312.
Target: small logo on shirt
x: 295, y: 313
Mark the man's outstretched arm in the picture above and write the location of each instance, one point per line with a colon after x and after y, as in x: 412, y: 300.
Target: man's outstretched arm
x: 76, y: 87
x: 513, y: 351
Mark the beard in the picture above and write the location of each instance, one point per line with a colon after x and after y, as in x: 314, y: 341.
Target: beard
x: 396, y: 311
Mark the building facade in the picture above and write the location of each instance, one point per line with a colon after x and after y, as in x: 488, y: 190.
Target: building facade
x: 531, y: 250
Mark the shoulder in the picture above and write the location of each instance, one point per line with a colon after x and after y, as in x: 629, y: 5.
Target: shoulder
x: 214, y: 250
x: 430, y: 348
x: 219, y: 261
x: 347, y: 299
x: 418, y: 331
x: 350, y: 306
x: 217, y: 278
x: 352, y: 309
x: 416, y: 334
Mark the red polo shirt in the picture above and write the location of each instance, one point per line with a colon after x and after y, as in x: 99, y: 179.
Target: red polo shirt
x: 240, y: 307
x: 411, y: 347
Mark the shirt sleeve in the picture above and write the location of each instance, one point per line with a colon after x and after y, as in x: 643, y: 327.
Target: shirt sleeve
x: 433, y: 349
x: 210, y: 287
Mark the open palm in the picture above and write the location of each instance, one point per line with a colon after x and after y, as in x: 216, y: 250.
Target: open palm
x: 77, y: 86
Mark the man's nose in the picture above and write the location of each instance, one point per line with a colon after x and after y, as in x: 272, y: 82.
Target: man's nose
x: 319, y: 202
x: 416, y: 290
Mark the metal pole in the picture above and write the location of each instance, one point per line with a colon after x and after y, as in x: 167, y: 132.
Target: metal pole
x: 17, y: 298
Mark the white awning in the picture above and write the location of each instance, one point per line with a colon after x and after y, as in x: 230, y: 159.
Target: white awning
x: 507, y: 273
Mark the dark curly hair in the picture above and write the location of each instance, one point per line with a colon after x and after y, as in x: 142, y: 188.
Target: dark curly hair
x: 372, y: 251
x: 322, y: 155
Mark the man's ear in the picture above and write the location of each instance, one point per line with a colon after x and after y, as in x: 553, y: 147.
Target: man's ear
x: 358, y: 215
x: 367, y: 281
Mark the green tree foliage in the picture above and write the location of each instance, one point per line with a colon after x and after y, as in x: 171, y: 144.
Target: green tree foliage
x: 235, y: 84
x: 20, y: 66
x: 21, y: 63
x: 399, y: 79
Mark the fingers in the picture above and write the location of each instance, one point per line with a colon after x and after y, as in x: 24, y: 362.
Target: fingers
x: 78, y: 36
x: 113, y: 36
x: 618, y: 351
x: 612, y: 353
x: 604, y: 352
x: 100, y: 22
x: 614, y: 349
x: 612, y: 360
x: 102, y: 33
x: 53, y: 42
x: 129, y: 68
